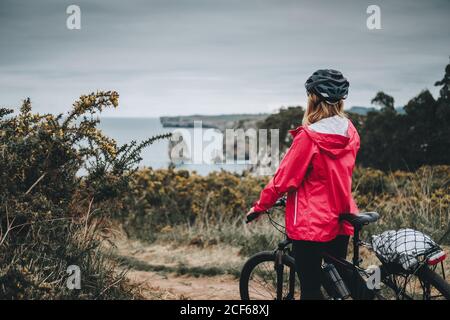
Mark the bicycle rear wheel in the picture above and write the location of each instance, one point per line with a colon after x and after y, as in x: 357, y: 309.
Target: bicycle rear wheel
x: 426, y: 284
x: 263, y: 278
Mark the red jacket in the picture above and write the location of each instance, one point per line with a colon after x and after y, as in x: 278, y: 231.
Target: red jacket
x: 316, y: 174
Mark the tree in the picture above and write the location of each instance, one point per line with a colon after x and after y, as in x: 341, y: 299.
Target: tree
x: 379, y: 135
x: 445, y: 83
x: 421, y: 136
x: 441, y: 146
x: 285, y: 120
x: 384, y: 100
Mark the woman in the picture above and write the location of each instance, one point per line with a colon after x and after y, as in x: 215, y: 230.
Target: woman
x: 316, y: 174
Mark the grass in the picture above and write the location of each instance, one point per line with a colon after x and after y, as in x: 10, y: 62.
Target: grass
x: 250, y: 238
x: 165, y: 257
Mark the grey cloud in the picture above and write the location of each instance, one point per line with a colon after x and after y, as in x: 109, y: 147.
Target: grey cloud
x: 202, y: 56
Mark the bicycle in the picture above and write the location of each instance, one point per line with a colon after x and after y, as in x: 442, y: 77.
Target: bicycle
x: 271, y: 274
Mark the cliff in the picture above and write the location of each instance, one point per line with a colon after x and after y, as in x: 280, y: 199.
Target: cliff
x: 221, y: 122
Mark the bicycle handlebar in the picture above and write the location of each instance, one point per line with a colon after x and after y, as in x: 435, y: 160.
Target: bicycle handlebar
x: 252, y: 216
x: 280, y: 203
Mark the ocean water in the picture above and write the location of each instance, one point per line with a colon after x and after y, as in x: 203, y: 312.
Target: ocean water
x: 124, y: 130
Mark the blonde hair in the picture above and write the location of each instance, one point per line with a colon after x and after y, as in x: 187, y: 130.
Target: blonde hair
x: 315, y: 112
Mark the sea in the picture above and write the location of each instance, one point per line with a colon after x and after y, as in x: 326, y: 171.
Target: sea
x: 125, y: 130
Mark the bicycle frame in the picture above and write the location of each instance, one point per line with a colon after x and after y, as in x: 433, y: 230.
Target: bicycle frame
x: 352, y: 274
x: 279, y: 268
x: 341, y: 264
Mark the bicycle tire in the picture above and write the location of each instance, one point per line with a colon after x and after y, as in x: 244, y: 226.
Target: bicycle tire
x: 430, y: 276
x: 427, y: 275
x: 253, y: 262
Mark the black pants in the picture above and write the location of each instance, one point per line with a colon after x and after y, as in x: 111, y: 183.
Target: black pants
x: 308, y: 262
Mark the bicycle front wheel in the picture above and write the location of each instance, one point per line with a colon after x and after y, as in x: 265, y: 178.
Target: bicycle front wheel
x: 263, y: 277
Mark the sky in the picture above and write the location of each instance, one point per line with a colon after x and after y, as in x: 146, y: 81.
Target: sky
x: 179, y: 57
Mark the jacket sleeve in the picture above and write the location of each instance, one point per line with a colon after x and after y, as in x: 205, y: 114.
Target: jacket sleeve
x: 290, y: 173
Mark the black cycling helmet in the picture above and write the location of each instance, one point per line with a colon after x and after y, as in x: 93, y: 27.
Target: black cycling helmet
x: 328, y: 84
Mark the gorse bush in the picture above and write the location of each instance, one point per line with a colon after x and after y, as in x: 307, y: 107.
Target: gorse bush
x: 158, y: 199
x: 50, y: 215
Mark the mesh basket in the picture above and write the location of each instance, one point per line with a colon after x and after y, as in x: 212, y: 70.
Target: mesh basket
x: 403, y: 247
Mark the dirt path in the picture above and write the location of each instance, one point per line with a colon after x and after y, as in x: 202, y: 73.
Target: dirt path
x: 188, y: 272
x: 170, y: 286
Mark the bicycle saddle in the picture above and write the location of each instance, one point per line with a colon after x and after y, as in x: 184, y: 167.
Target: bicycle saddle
x: 359, y: 219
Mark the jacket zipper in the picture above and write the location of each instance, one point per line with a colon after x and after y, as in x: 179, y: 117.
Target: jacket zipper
x: 295, y: 208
